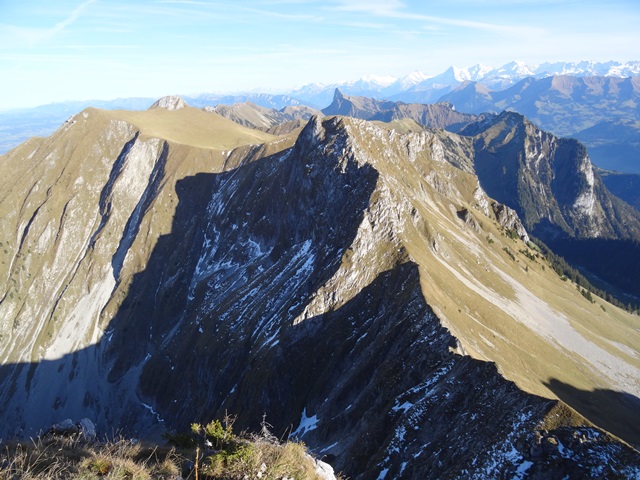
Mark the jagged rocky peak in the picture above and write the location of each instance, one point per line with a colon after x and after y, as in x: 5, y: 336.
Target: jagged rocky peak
x: 170, y: 102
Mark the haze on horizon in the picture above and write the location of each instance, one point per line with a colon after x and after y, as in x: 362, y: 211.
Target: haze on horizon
x: 94, y: 49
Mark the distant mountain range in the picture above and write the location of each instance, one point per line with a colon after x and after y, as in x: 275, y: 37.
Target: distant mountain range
x: 418, y: 87
x: 594, y: 102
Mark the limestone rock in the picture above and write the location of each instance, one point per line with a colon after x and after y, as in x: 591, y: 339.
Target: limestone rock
x: 170, y: 102
x: 87, y: 429
x: 508, y: 218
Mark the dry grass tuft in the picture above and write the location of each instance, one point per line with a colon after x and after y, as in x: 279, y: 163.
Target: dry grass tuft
x: 53, y: 458
x: 215, y: 452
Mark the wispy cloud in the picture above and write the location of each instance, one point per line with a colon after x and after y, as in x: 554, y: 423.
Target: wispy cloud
x: 79, y: 10
x: 396, y: 9
x: 185, y: 2
x: 33, y: 36
x: 372, y: 7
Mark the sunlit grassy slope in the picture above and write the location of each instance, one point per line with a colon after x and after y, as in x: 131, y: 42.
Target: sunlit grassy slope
x: 192, y: 126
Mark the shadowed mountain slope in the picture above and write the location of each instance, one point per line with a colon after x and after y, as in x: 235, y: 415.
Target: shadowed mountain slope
x: 623, y: 185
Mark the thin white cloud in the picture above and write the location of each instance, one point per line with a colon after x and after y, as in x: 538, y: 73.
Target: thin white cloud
x: 185, y: 2
x: 369, y: 25
x: 33, y: 36
x: 397, y: 10
x: 79, y: 10
x: 372, y: 7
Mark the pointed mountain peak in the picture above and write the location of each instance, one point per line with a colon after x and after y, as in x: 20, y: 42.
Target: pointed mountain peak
x: 338, y: 95
x: 170, y: 102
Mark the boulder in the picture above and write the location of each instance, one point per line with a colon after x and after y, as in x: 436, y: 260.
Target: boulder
x: 87, y: 429
x: 66, y: 427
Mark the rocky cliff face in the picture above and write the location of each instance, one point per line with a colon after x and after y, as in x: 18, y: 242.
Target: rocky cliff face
x: 171, y: 103
x: 550, y: 182
x: 356, y: 286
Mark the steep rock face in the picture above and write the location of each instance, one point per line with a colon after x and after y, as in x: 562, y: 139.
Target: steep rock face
x: 317, y: 283
x: 549, y: 181
x: 357, y: 107
x: 100, y: 195
x: 600, y: 111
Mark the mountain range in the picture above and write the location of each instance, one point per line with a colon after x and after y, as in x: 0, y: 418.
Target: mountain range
x: 607, y: 123
x: 371, y: 286
x: 418, y: 87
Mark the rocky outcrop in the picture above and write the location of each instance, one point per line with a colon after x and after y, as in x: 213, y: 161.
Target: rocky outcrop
x: 508, y: 218
x: 548, y: 181
x: 85, y: 428
x: 171, y: 102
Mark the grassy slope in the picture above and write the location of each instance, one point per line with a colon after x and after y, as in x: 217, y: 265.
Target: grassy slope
x: 67, y: 172
x: 550, y: 337
x: 192, y: 126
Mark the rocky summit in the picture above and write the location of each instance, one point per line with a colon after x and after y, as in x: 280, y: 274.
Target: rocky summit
x: 367, y: 286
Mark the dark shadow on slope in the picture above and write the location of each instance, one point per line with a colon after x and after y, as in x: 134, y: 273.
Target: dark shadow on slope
x: 246, y: 250
x: 349, y: 370
x: 615, y: 412
x: 615, y: 264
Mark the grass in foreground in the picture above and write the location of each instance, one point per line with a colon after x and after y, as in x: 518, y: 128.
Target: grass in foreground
x: 207, y: 452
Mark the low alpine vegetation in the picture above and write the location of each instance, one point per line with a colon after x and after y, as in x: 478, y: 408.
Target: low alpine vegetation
x: 208, y: 452
x: 70, y: 457
x: 221, y: 454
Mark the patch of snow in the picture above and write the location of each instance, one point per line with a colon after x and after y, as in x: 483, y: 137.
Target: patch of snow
x: 383, y: 474
x: 326, y: 449
x: 153, y: 412
x: 522, y: 469
x: 306, y: 424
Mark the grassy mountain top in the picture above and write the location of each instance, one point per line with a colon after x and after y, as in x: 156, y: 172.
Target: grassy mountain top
x: 191, y: 126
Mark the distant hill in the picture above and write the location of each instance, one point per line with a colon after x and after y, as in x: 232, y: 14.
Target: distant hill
x: 440, y: 115
x: 263, y: 118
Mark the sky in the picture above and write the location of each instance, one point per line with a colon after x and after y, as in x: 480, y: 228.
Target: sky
x: 53, y: 51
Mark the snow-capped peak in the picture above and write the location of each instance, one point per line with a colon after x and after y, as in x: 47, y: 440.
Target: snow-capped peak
x: 412, y: 79
x: 517, y: 69
x: 378, y: 80
x: 478, y: 71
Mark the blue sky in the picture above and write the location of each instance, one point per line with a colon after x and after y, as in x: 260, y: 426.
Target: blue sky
x: 83, y: 49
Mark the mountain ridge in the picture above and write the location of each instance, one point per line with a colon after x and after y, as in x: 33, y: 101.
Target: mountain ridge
x: 194, y: 277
